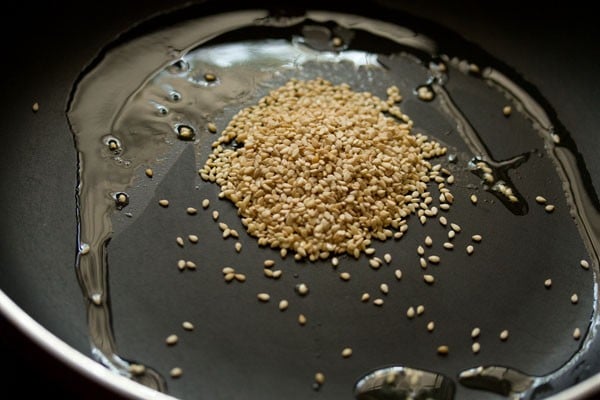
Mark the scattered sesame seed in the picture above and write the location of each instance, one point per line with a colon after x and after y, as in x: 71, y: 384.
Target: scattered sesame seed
x: 475, y: 347
x: 137, y: 369
x: 473, y: 199
x: 504, y: 335
x: 238, y: 246
x: 283, y: 305
x: 215, y: 215
x: 347, y: 352
x: 451, y: 234
x: 576, y: 333
x: 283, y: 252
x: 302, y: 319
x: 420, y: 250
x: 428, y: 279
x: 374, y: 263
x: 470, y: 249
x: 387, y: 257
x: 423, y: 262
x: 455, y: 227
x: 420, y: 309
x: 548, y: 283
x: 345, y: 276
x: 549, y: 208
x: 540, y: 199
x: 365, y: 297
x: 149, y: 172
x: 212, y: 128
x: 240, y: 277
x: 430, y: 326
x: 444, y: 207
x: 205, y: 203
x: 506, y: 110
x: 302, y: 289
x: 210, y: 77
x: 193, y: 238
x: 398, y: 274
x: 181, y: 265
x: 187, y: 325
x: 228, y: 270
x: 264, y: 297
x: 434, y: 259
x: 574, y: 298
x: 229, y: 277
x: 443, y: 350
x: 335, y: 262
x: 410, y: 313
x: 190, y: 265
x: 171, y: 340
x: 450, y: 179
x: 448, y: 245
x: 378, y: 302
x: 584, y: 264
x: 176, y: 372
x: 164, y: 203
x: 422, y: 219
x: 191, y: 210
x: 268, y: 263
x: 268, y: 273
x: 35, y: 107
x: 428, y: 241
x: 384, y: 288
x: 476, y: 238
x: 179, y: 241
x: 277, y: 273
x: 337, y: 41
x: 475, y: 333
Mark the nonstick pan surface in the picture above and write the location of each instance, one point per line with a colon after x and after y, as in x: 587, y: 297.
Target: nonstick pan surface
x: 39, y: 203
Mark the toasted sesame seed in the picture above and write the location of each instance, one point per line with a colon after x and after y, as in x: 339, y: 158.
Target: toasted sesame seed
x: 176, y: 372
x: 191, y: 210
x: 164, y: 202
x: 387, y: 257
x: 193, y: 238
x: 576, y: 333
x: 283, y: 305
x: 475, y: 333
x: 476, y: 238
x: 205, y: 203
x: 428, y: 279
x: 434, y: 259
x: 378, y: 302
x: 215, y: 215
x: 423, y: 262
x: 470, y: 249
x: 584, y: 264
x: 240, y: 277
x: 473, y: 199
x: 238, y: 246
x: 540, y: 199
x: 574, y: 298
x: 384, y: 288
x: 410, y: 313
x: 337, y: 41
x: 283, y: 252
x: 190, y: 265
x: 420, y: 250
x: 149, y: 172
x: 398, y: 274
x: 302, y: 289
x: 448, y: 245
x: 345, y: 276
x: 346, y: 352
x: 264, y: 297
x: 504, y: 335
x: 302, y: 319
x: 430, y: 326
x: 443, y: 350
x: 506, y: 110
x: 179, y: 241
x: 475, y: 347
x: 212, y: 128
x: 365, y: 297
x: 549, y: 208
x: 420, y: 309
x: 171, y: 340
x: 210, y: 77
x: 548, y: 283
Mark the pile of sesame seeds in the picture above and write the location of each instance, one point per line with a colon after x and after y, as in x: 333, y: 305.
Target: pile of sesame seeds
x: 320, y: 169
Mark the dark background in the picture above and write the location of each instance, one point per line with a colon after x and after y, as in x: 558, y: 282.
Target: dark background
x: 555, y: 47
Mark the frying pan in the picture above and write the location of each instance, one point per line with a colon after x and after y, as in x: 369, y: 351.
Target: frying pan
x: 40, y: 176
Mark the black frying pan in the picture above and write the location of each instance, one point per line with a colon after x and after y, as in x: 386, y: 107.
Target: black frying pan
x: 40, y: 177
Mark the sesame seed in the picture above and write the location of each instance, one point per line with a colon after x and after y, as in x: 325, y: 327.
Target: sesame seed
x: 475, y: 347
x: 35, y: 107
x: 378, y: 302
x: 410, y: 313
x: 179, y: 241
x: 337, y: 41
x: 268, y: 263
x: 302, y: 319
x: 428, y: 241
x: 193, y: 238
x: 384, y: 288
x: 434, y: 259
x: 576, y: 333
x: 549, y: 208
x: 205, y: 203
x: 430, y: 326
x: 283, y: 252
x: 455, y: 227
x: 548, y: 283
x: 191, y: 210
x: 428, y: 279
x: 387, y: 257
x: 137, y: 369
x: 164, y: 203
x: 268, y: 273
x: 504, y: 335
x: 365, y: 297
x: 584, y: 264
x: 228, y: 270
x: 347, y: 352
x: 540, y: 199
x: 420, y: 250
x: 277, y: 273
x: 345, y: 276
x: 473, y: 199
x: 190, y: 265
x: 398, y: 274
x: 423, y: 262
x: 369, y: 251
x: 422, y: 219
x: 149, y: 172
x: 264, y: 297
x: 506, y: 110
x: 229, y: 277
x: 373, y: 263
x: 443, y: 350
x: 398, y: 235
x: 187, y: 325
x: 335, y: 262
x: 238, y: 246
x: 215, y: 215
x: 475, y: 333
x: 451, y: 234
x: 476, y: 238
x: 176, y: 372
x: 212, y: 128
x: 450, y: 179
x: 283, y: 305
x: 181, y: 265
x: 240, y: 277
x: 574, y: 298
x: 302, y: 289
x: 444, y: 207
x: 470, y: 249
x: 171, y: 340
x: 420, y: 309
x: 210, y: 77
x: 448, y: 245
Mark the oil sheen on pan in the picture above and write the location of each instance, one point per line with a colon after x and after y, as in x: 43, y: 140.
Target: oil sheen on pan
x: 484, y: 287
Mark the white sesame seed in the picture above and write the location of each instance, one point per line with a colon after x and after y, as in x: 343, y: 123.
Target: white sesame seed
x: 398, y: 235
x: 384, y: 288
x: 549, y: 208
x: 283, y: 305
x: 473, y: 199
x: 164, y: 203
x: 540, y: 199
x: 506, y: 110
x: 187, y: 325
x: 190, y: 265
x: 422, y: 219
x: 373, y: 263
x: 365, y: 297
x: 574, y: 298
x: 302, y: 319
x: 430, y: 326
x: 277, y: 273
x: 443, y: 350
x: 434, y: 259
x: 345, y: 276
x: 444, y: 207
x: 420, y: 250
x: 410, y: 313
x: 302, y: 289
x: 238, y: 246
x: 347, y: 352
x: 576, y: 333
x: 193, y: 238
x: 35, y: 107
x: 269, y: 263
x: 229, y: 277
x: 548, y: 283
x: 264, y: 297
x: 191, y: 210
x: 320, y: 378
x: 428, y: 241
x: 369, y: 251
x: 171, y: 340
x: 378, y: 302
x: 137, y: 369
x: 335, y: 262
x: 420, y: 309
x: 584, y: 264
x: 475, y: 333
x: 443, y: 221
x: 205, y: 203
x: 428, y: 279
x: 179, y: 241
x: 176, y: 372
x: 455, y: 227
x: 450, y: 179
x: 476, y: 238
x: 212, y: 128
x: 215, y: 215
x: 470, y: 249
x: 448, y: 245
x: 387, y: 257
x: 240, y: 277
x: 181, y: 265
x: 398, y: 274
x: 475, y: 347
x: 451, y: 234
x: 149, y: 172
x: 504, y: 335
x: 423, y: 262
x: 268, y: 273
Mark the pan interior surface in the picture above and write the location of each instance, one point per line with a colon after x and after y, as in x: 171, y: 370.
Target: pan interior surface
x: 127, y: 115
